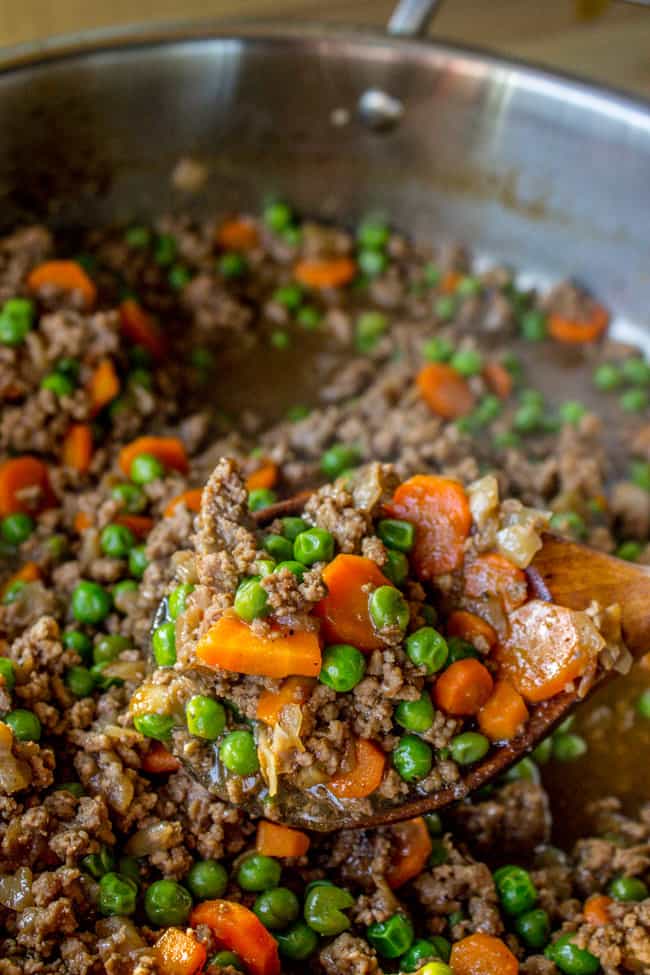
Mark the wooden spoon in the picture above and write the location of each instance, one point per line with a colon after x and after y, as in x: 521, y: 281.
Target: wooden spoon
x: 566, y: 573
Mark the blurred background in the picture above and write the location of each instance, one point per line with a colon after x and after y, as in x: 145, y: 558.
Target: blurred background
x: 606, y: 40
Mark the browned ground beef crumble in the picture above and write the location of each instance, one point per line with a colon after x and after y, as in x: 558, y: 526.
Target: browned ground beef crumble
x: 49, y: 918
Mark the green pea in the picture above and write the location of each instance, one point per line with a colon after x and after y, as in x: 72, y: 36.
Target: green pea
x: 428, y: 649
x: 297, y: 942
x: 122, y: 594
x: 437, y: 349
x: 415, y: 715
x: 56, y: 546
x: 431, y: 274
x: 177, y: 602
x: 130, y: 497
x: 251, y: 599
x: 569, y: 523
x: 570, y: 959
x: 643, y: 703
x: 167, y: 903
x: 628, y: 889
x: 338, y: 459
x: 79, y: 642
x: 117, y: 894
x: 343, y: 667
x: 16, y: 320
x: 7, y: 673
x: 207, y: 879
x: 206, y: 718
x: 388, y: 608
x: 292, y: 527
x: 289, y: 295
x: 202, y: 358
x: 277, y: 216
x: 607, y: 377
x: 542, y: 754
x: 227, y: 959
x: 239, y: 753
x: 138, y: 561
x: 17, y: 528
x: 258, y: 873
x: 639, y: 474
x: 109, y: 647
x: 396, y: 534
x: 636, y: 371
x: 260, y: 498
x: 370, y: 327
x: 373, y: 234
x: 179, y: 277
x: 433, y: 823
x: 634, y: 400
x: 412, y: 758
x: 396, y: 567
x: 460, y: 649
x: 324, y: 909
x: 372, y: 263
x: 277, y: 908
x: 468, y: 286
x: 128, y: 867
x: 13, y: 591
x: 572, y: 412
x: 468, y: 362
x: 146, y: 468
x: 524, y: 770
x: 468, y: 747
x: 505, y: 439
x: 57, y: 383
x: 568, y: 747
x: 165, y: 250
x: 420, y: 952
x: 297, y: 568
x: 116, y: 541
x: 138, y: 237
x: 232, y: 265
x: 439, y: 852
x: 445, y: 307
x: 74, y: 788
x: 280, y: 339
x: 79, y: 681
x: 140, y: 377
x: 533, y: 325
x: 98, y: 864
x: 163, y: 644
x: 516, y: 890
x: 534, y: 928
x: 313, y: 545
x: 309, y: 317
x: 24, y: 724
x: 297, y: 413
x: 527, y: 418
x: 90, y: 602
x: 102, y: 681
x: 279, y: 547
x: 151, y: 725
x: 391, y: 938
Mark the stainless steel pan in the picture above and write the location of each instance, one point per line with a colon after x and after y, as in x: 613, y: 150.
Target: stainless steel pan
x: 540, y: 170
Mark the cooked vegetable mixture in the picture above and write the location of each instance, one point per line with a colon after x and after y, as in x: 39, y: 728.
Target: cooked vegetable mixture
x: 177, y: 669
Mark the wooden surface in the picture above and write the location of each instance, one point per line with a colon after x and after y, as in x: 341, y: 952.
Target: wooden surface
x: 606, y: 40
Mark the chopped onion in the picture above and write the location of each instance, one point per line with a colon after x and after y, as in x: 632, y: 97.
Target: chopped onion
x: 483, y: 499
x: 158, y: 836
x: 519, y: 543
x: 16, y: 889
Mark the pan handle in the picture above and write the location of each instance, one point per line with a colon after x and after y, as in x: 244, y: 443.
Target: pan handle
x: 410, y: 18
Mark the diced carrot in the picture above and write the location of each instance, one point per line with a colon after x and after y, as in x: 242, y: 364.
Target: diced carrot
x: 179, y: 953
x: 325, y: 272
x: 439, y: 509
x: 498, y: 379
x: 191, y: 499
x: 463, y: 688
x: 450, y: 281
x: 596, y: 910
x: 366, y: 775
x: 18, y: 475
x: 275, y: 840
x: 66, y: 276
x: 237, y: 234
x: 265, y: 476
x: 140, y: 525
x: 239, y: 930
x: 482, y: 954
x: 413, y: 848
x: 231, y: 645
x: 77, y: 451
x: 29, y: 572
x: 141, y: 328
x: 468, y: 626
x: 81, y: 522
x: 549, y: 646
x: 495, y: 575
x: 445, y: 391
x: 159, y: 761
x: 503, y: 714
x: 579, y: 331
x: 344, y: 613
x: 104, y: 386
x: 169, y: 451
x: 294, y: 690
